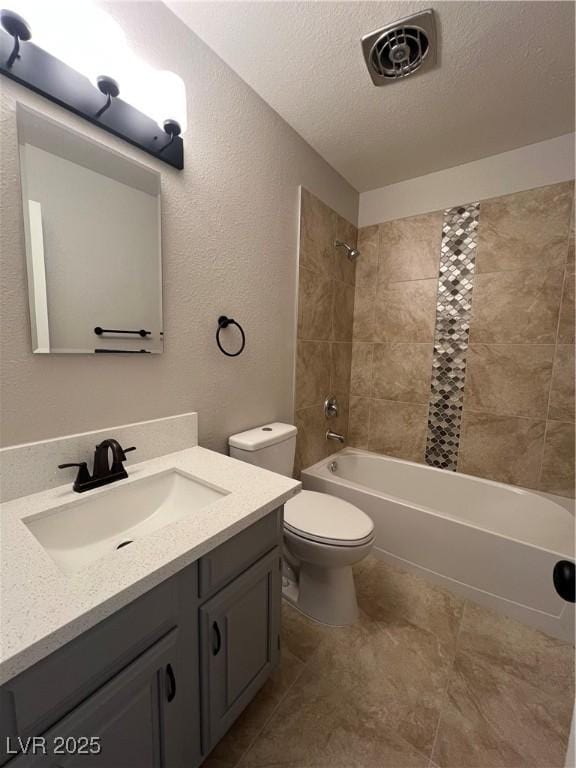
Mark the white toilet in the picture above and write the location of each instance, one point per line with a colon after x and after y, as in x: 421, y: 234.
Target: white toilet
x: 323, y: 535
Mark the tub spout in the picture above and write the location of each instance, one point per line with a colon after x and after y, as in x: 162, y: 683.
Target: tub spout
x: 334, y: 436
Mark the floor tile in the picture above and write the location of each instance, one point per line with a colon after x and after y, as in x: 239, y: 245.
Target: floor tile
x: 495, y: 720
x: 361, y: 694
x: 230, y: 749
x: 542, y: 661
x: 394, y: 596
x: 422, y: 680
x: 301, y: 635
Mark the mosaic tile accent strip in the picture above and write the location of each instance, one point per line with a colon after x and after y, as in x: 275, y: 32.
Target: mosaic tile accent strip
x: 453, y: 310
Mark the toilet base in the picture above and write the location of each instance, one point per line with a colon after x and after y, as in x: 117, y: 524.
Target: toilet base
x: 327, y: 595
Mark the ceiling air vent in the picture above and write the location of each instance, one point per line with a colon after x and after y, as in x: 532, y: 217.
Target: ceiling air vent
x: 400, y: 49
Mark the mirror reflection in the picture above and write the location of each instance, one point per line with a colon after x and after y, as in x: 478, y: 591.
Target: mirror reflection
x: 92, y: 228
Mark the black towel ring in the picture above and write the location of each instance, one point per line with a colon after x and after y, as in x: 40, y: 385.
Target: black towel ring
x: 224, y: 322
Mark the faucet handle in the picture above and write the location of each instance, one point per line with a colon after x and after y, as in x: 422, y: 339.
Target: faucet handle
x: 83, y: 475
x: 123, y: 452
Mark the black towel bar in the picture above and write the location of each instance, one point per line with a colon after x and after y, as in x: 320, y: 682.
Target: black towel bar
x: 99, y: 331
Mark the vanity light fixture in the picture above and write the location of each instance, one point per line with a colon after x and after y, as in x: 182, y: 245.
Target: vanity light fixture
x: 18, y: 29
x: 144, y: 106
x: 110, y: 88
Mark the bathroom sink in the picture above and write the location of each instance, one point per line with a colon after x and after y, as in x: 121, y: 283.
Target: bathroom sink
x: 83, y: 531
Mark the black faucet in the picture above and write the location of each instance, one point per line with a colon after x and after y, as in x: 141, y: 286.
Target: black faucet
x: 103, y: 472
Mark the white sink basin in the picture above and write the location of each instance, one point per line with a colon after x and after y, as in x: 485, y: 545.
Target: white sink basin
x: 85, y: 530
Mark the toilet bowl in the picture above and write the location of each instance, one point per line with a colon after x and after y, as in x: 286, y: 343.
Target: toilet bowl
x: 323, y: 536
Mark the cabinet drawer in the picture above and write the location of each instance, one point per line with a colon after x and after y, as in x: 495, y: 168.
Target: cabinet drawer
x: 41, y: 695
x: 228, y: 560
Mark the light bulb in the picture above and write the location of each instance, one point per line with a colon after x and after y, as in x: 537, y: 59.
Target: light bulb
x: 77, y: 33
x: 87, y: 39
x: 169, y: 99
x: 159, y: 94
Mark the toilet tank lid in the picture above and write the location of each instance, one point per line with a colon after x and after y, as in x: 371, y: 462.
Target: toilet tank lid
x: 262, y: 437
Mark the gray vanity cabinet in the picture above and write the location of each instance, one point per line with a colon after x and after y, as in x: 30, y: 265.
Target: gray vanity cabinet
x: 239, y: 644
x: 159, y: 682
x: 136, y: 719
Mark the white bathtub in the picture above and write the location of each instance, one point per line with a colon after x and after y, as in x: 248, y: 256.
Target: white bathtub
x: 493, y: 543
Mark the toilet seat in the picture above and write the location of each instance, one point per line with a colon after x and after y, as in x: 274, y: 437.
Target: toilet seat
x: 327, y: 519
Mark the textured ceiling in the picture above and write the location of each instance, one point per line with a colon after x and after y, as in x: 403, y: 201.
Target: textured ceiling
x: 505, y: 79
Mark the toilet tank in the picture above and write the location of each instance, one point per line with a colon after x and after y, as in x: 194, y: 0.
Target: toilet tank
x: 271, y: 446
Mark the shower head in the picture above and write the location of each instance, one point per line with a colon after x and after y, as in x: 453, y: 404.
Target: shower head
x: 352, y: 253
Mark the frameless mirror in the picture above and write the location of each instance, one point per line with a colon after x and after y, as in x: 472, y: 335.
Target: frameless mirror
x: 92, y: 229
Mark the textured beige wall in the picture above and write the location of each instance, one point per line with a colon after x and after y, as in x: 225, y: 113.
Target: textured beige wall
x: 230, y: 223
x: 325, y: 321
x: 518, y: 415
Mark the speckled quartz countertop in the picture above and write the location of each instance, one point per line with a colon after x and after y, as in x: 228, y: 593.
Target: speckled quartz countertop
x: 42, y: 608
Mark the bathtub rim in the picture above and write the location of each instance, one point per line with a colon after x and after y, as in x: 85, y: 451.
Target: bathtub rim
x: 314, y: 469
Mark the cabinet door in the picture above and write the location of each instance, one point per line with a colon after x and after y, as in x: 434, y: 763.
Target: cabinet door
x: 239, y: 641
x: 135, y: 720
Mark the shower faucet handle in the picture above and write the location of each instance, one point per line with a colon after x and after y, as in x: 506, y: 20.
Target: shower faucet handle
x: 330, y: 407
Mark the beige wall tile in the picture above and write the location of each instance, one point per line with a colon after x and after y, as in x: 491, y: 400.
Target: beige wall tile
x: 524, y: 230
x: 340, y: 368
x: 312, y: 372
x: 402, y: 372
x: 343, y: 311
x: 405, y: 311
x: 366, y: 279
x: 503, y: 448
x: 516, y: 307
x: 361, y: 373
x: 359, y: 423
x: 410, y: 248
x: 567, y: 313
x: 369, y: 240
x: 314, y: 305
x: 558, y: 463
x: 398, y: 429
x: 562, y: 391
x: 512, y: 379
x: 570, y: 258
x: 344, y: 269
x: 317, y: 230
x: 311, y: 444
